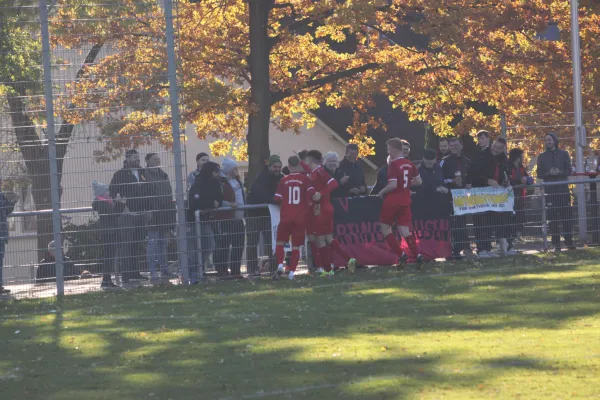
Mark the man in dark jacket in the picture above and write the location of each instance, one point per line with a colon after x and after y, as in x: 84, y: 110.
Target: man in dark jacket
x: 259, y: 220
x: 457, y: 175
x: 349, y: 166
x: 129, y: 183
x: 554, y: 165
x: 431, y: 174
x: 382, y: 179
x: 490, y: 170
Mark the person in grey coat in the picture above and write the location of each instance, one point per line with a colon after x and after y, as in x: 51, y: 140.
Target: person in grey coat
x: 554, y: 165
x: 162, y: 217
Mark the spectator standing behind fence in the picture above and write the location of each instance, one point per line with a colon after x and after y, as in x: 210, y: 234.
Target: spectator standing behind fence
x: 7, y: 205
x: 456, y: 169
x: 431, y: 175
x: 382, y: 179
x: 130, y: 183
x: 554, y: 165
x: 350, y: 167
x: 491, y: 171
x: 230, y: 237
x: 206, y: 194
x: 517, y: 175
x: 331, y: 163
x: 443, y: 150
x: 108, y: 211
x: 259, y: 220
x: 162, y: 218
x: 201, y: 159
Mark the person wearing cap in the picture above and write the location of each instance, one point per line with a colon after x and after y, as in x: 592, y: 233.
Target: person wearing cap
x: 130, y: 183
x: 262, y: 191
x: 7, y: 205
x: 350, y: 167
x: 108, y: 211
x: 230, y: 236
x: 554, y: 165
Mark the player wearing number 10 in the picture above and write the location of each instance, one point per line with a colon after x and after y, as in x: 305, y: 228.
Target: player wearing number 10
x: 293, y: 193
x: 402, y: 174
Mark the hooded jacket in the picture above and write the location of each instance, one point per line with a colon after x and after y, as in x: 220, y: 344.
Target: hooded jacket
x: 556, y: 158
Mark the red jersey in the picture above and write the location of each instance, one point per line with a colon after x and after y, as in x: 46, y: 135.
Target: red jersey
x: 403, y: 171
x: 324, y: 184
x: 294, y: 193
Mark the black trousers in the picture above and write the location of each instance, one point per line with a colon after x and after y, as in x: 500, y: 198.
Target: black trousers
x: 256, y: 225
x: 229, y: 246
x: 459, y: 234
x: 489, y: 223
x: 560, y: 217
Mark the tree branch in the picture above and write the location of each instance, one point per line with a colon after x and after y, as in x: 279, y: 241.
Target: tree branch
x: 331, y: 78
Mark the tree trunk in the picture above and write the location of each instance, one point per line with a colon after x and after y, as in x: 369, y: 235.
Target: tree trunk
x: 260, y: 87
x: 34, y: 151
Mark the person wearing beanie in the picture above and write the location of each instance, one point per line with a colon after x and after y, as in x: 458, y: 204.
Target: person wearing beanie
x: 108, y: 211
x: 201, y: 159
x: 554, y: 165
x: 231, y: 234
x: 262, y: 191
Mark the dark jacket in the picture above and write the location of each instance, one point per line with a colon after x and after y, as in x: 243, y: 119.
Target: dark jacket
x: 355, y: 173
x: 341, y: 190
x: 6, y: 208
x: 108, y: 218
x: 453, y: 163
x: 160, y: 199
x: 515, y: 175
x: 382, y: 180
x: 263, y: 191
x: 125, y: 184
x: 432, y: 179
x: 203, y: 194
x: 549, y: 159
x: 489, y: 167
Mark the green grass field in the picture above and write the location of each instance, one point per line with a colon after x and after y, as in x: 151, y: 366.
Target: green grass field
x: 527, y: 327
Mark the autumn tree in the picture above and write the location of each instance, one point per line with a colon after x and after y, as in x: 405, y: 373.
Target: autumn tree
x: 22, y: 105
x: 244, y: 65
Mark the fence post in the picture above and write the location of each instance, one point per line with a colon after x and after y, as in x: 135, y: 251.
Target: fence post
x: 503, y: 126
x: 175, y: 122
x: 54, y: 186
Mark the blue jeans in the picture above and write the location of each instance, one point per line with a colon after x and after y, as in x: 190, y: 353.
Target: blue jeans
x: 198, y: 257
x: 157, y: 253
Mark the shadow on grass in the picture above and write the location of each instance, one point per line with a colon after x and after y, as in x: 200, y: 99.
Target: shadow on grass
x: 252, y: 341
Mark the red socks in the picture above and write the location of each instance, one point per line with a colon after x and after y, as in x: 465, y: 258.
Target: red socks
x: 412, y: 244
x: 279, y: 254
x: 393, y: 243
x: 294, y: 260
x: 341, y: 250
x: 325, y: 258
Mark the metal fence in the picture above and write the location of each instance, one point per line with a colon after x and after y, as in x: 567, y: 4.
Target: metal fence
x: 65, y: 109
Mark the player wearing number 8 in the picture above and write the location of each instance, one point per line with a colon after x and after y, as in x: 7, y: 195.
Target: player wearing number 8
x: 293, y: 194
x: 402, y: 174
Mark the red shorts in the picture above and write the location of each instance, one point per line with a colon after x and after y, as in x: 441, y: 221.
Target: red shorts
x: 295, y: 229
x: 392, y: 213
x: 323, y: 223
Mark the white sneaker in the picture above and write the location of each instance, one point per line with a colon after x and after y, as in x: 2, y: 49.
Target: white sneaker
x: 291, y: 276
x: 280, y: 268
x: 320, y: 270
x: 512, y: 252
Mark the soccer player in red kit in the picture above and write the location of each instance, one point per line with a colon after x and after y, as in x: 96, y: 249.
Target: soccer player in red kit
x: 322, y: 222
x: 294, y: 193
x: 402, y: 174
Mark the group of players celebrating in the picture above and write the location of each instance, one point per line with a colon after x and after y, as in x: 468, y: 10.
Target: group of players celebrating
x: 306, y: 210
